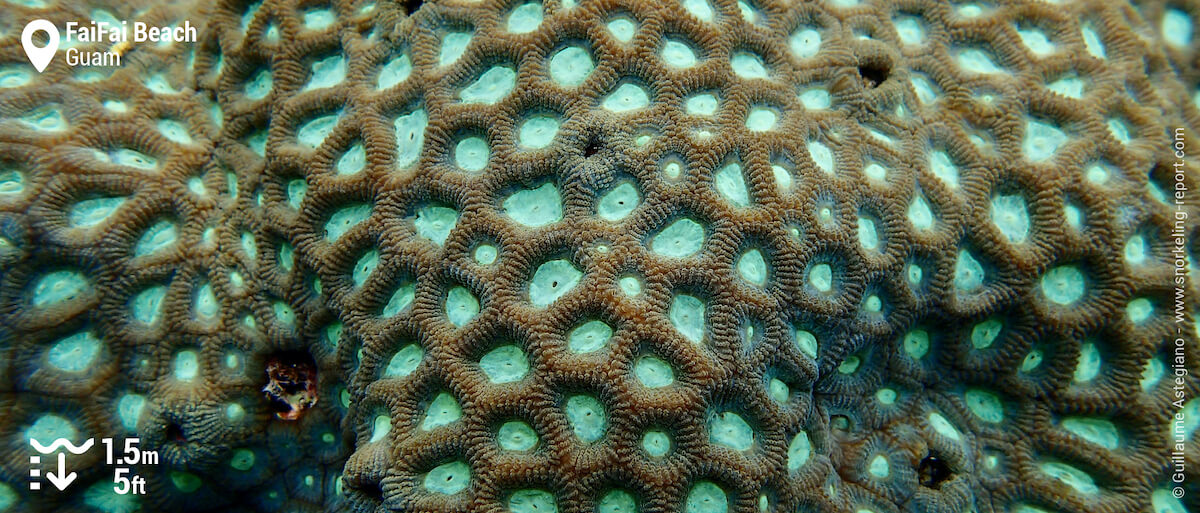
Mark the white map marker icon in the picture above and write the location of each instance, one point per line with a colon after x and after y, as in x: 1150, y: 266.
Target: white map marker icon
x: 39, y: 57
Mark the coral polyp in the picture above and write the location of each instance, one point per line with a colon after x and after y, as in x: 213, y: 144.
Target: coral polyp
x: 698, y: 256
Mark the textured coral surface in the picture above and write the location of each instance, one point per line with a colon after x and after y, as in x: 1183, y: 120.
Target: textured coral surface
x: 606, y: 255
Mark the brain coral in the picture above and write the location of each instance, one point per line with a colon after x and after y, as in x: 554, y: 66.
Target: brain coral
x: 702, y: 256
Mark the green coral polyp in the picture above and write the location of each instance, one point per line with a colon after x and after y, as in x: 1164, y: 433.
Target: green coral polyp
x: 820, y: 277
x: 678, y: 54
x: 435, y: 223
x: 404, y: 362
x: 688, y: 316
x: 822, y: 156
x: 618, y: 203
x: 532, y: 501
x: 761, y: 119
x: 587, y: 418
x: 622, y: 28
x: 535, y: 207
x: 314, y: 132
x: 985, y: 405
x: 1064, y: 285
x: 49, y: 427
x: 1072, y: 476
x: 943, y: 426
x: 748, y: 65
x: 525, y: 18
x: 798, y: 451
x: 147, y: 305
x: 732, y: 185
x: 58, y: 287
x: 850, y: 365
x: 805, y: 42
x: 91, y: 212
x: 449, y: 478
x: 630, y: 285
x: 186, y: 365
x: 704, y: 104
x: 653, y: 372
x: 174, y: 131
x: 410, y: 137
x: 627, y: 97
x: 969, y: 275
x: 706, y: 497
x: 538, y: 132
x: 505, y: 364
x: 916, y: 344
x: 730, y: 430
x: 471, y: 154
x: 553, y: 280
x: 1087, y: 367
x: 879, y: 467
x: 589, y: 337
x: 570, y: 66
x: 454, y: 44
x: 461, y: 306
x: 364, y: 267
x: 806, y: 342
x: 491, y: 86
x: 400, y: 300
x: 680, y: 239
x: 517, y: 436
x: 1011, y: 216
x: 345, y: 219
x: 393, y: 72
x: 75, y: 353
x: 617, y: 501
x: 353, y: 161
x: 442, y: 411
x: 259, y: 85
x: 327, y: 72
x: 1098, y: 431
x: 778, y: 390
x: 486, y: 254
x: 204, y: 303
x: 752, y: 267
x: 129, y: 410
x: 656, y: 443
x: 1042, y: 140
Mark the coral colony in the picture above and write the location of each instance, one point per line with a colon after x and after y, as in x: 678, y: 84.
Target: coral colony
x: 614, y: 256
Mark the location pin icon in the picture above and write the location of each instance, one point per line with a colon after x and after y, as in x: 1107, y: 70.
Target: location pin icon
x: 39, y: 57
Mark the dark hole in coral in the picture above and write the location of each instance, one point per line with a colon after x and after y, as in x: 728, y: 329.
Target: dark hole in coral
x: 291, y: 383
x: 1162, y: 173
x: 175, y: 433
x: 373, y: 492
x: 874, y: 73
x: 411, y: 6
x: 592, y: 148
x: 933, y: 471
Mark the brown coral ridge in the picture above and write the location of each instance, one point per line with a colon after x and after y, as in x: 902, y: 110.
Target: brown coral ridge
x: 932, y: 272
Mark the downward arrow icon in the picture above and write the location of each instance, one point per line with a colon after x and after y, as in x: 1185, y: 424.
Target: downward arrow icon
x: 61, y: 480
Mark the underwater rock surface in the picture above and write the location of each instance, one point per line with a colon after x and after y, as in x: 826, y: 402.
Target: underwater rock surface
x: 606, y: 255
